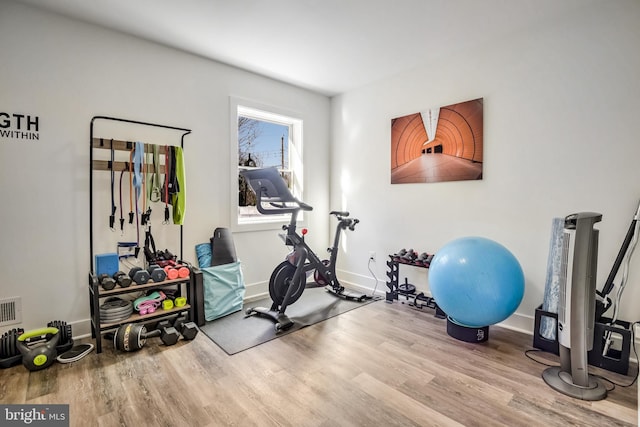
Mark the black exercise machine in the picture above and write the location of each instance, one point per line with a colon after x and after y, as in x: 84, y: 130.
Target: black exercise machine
x: 289, y: 278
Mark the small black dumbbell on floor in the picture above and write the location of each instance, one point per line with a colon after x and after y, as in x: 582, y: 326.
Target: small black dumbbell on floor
x: 106, y: 282
x: 188, y: 330
x: 139, y: 275
x: 132, y: 336
x: 167, y: 333
x: 122, y: 279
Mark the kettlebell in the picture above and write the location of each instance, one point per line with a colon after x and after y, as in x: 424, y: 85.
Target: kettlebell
x: 39, y: 355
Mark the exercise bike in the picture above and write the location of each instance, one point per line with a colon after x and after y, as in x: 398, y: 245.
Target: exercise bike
x: 289, y: 279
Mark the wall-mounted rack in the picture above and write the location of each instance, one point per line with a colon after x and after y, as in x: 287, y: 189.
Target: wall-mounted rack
x: 96, y: 293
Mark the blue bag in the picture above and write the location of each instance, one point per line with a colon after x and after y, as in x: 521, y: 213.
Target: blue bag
x: 223, y: 290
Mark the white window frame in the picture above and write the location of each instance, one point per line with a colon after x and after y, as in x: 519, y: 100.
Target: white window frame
x: 268, y: 113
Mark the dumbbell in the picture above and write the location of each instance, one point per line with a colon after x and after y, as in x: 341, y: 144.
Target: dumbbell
x: 402, y: 252
x: 176, y: 271
x: 167, y: 333
x: 8, y: 343
x: 422, y: 259
x: 106, y: 282
x: 122, y: 279
x: 188, y: 330
x: 183, y: 271
x: 157, y: 273
x: 410, y: 256
x: 66, y: 336
x: 139, y: 275
x: 132, y: 336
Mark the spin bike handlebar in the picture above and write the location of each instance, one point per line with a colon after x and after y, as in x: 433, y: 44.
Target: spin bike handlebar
x: 345, y: 222
x: 353, y: 223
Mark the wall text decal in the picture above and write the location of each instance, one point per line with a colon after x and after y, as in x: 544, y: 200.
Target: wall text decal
x: 19, y: 126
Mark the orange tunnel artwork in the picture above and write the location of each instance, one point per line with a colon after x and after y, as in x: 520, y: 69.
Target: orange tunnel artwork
x: 454, y: 130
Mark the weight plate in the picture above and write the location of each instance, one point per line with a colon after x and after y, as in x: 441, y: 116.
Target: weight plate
x: 115, y: 303
x: 115, y: 318
x: 64, y: 336
x: 58, y: 326
x: 7, y: 349
x: 7, y: 345
x: 12, y: 345
x: 116, y: 311
x: 3, y: 353
x: 68, y: 333
x: 61, y: 325
x: 111, y: 315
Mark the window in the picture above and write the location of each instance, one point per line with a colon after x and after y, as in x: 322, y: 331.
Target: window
x: 263, y: 137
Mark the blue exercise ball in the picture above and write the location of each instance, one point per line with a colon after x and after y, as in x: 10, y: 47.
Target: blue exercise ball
x: 477, y: 282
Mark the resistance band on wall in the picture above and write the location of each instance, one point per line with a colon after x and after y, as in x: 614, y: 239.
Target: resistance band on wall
x: 121, y: 209
x: 145, y: 213
x: 138, y: 157
x: 150, y: 184
x: 131, y: 215
x: 154, y: 177
x: 179, y: 196
x: 166, y: 184
x: 112, y: 217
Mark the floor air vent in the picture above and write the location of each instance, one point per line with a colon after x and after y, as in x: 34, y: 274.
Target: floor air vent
x: 10, y: 311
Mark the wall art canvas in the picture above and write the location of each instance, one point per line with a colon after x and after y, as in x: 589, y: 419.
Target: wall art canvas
x: 438, y: 144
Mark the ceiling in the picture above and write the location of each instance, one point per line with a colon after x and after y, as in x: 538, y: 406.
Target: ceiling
x: 328, y: 46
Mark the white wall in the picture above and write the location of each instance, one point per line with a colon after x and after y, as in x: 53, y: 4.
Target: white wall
x: 561, y: 102
x: 561, y: 108
x: 66, y: 72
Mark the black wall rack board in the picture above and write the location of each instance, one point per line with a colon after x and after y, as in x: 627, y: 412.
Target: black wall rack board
x: 103, y: 317
x: 398, y: 290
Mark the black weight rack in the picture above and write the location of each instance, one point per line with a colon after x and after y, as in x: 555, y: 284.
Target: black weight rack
x: 405, y: 292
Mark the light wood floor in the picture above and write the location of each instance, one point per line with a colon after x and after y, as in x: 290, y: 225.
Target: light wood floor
x: 379, y: 365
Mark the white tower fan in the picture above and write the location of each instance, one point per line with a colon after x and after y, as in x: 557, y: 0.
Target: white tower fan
x: 576, y: 309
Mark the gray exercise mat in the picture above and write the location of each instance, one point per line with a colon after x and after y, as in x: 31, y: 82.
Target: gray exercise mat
x: 235, y: 332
